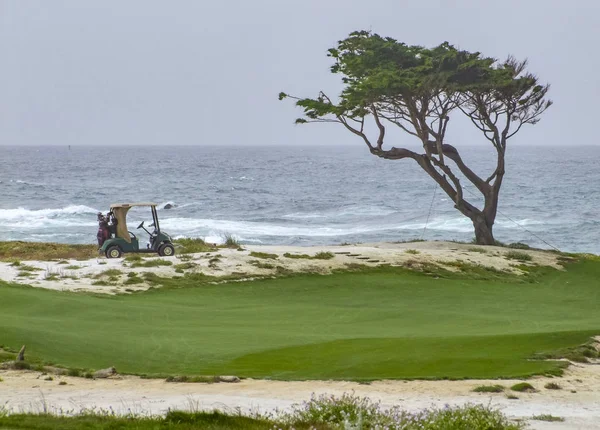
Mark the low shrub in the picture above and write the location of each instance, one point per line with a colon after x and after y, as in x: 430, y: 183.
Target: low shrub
x: 317, y: 256
x: 519, y: 256
x: 193, y: 245
x: 519, y: 245
x: 523, y: 387
x: 547, y: 417
x: 152, y: 263
x: 21, y: 365
x: 74, y: 372
x: 261, y: 265
x: 412, y: 251
x: 323, y: 255
x: 230, y: 241
x: 476, y: 249
x: 109, y: 273
x: 552, y: 386
x: 133, y: 258
x: 350, y: 411
x: 185, y: 266
x: 264, y: 255
x: 489, y: 389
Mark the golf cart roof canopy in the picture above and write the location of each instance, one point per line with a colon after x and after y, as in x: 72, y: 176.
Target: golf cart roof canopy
x: 130, y: 205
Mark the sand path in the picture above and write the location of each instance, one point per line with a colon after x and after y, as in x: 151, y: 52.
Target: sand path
x: 578, y: 402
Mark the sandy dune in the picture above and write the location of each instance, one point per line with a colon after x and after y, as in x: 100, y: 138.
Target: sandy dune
x: 76, y: 275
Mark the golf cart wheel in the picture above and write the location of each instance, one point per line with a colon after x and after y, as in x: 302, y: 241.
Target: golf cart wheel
x: 166, y: 250
x: 113, y: 252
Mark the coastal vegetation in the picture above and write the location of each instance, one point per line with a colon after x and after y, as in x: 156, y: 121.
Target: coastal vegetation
x: 391, y: 86
x: 319, y: 413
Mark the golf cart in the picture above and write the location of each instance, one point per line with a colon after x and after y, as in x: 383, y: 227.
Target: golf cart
x: 122, y: 240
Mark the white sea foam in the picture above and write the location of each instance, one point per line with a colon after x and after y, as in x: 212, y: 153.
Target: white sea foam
x: 22, y: 213
x: 74, y: 215
x: 355, y: 210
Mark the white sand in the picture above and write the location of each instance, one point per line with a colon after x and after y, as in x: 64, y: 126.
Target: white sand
x: 232, y: 261
x: 28, y: 391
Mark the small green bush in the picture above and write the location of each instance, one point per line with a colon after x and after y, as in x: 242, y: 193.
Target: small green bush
x: 15, y: 263
x: 262, y: 265
x: 191, y: 246
x: 264, y: 255
x: 349, y: 411
x: 26, y: 268
x: 297, y: 256
x: 152, y: 263
x: 412, y: 251
x: 193, y: 379
x: 323, y: 255
x: 552, y: 386
x: 229, y: 241
x: 133, y: 258
x: 185, y: 266
x: 519, y: 256
x: 489, y: 389
x: 74, y: 372
x: 476, y: 249
x: 519, y: 245
x: 21, y: 365
x: 133, y: 280
x: 109, y: 273
x: 62, y: 383
x: 523, y: 387
x: 511, y: 397
x: 317, y: 256
x: 547, y: 417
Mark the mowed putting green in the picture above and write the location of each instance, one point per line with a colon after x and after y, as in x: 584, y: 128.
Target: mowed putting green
x: 357, y: 326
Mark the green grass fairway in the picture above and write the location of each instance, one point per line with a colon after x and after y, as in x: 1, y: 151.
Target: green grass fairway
x: 386, y: 323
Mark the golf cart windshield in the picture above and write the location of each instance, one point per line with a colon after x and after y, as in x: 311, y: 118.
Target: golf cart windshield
x: 120, y: 210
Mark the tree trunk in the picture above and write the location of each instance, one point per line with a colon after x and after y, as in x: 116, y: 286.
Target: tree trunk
x: 483, y: 231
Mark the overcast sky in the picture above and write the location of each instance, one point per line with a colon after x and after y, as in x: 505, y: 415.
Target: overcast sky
x: 194, y: 72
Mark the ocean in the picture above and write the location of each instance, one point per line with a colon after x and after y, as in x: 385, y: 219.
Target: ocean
x: 294, y: 195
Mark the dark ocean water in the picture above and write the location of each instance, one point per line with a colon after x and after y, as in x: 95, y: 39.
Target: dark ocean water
x: 299, y: 196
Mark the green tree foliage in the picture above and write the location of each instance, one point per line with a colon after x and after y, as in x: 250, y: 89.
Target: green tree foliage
x: 390, y: 84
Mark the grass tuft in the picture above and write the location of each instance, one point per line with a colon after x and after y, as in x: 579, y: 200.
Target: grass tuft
x: 477, y: 249
x: 192, y: 246
x: 519, y: 245
x: 230, y: 241
x: 185, y: 266
x: 317, y: 256
x: 547, y: 417
x: 523, y: 387
x: 489, y: 389
x: 9, y: 251
x: 519, y: 256
x: 263, y: 255
x: 323, y: 255
x: 552, y: 386
x: 261, y: 265
x: 157, y: 262
x: 412, y: 251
